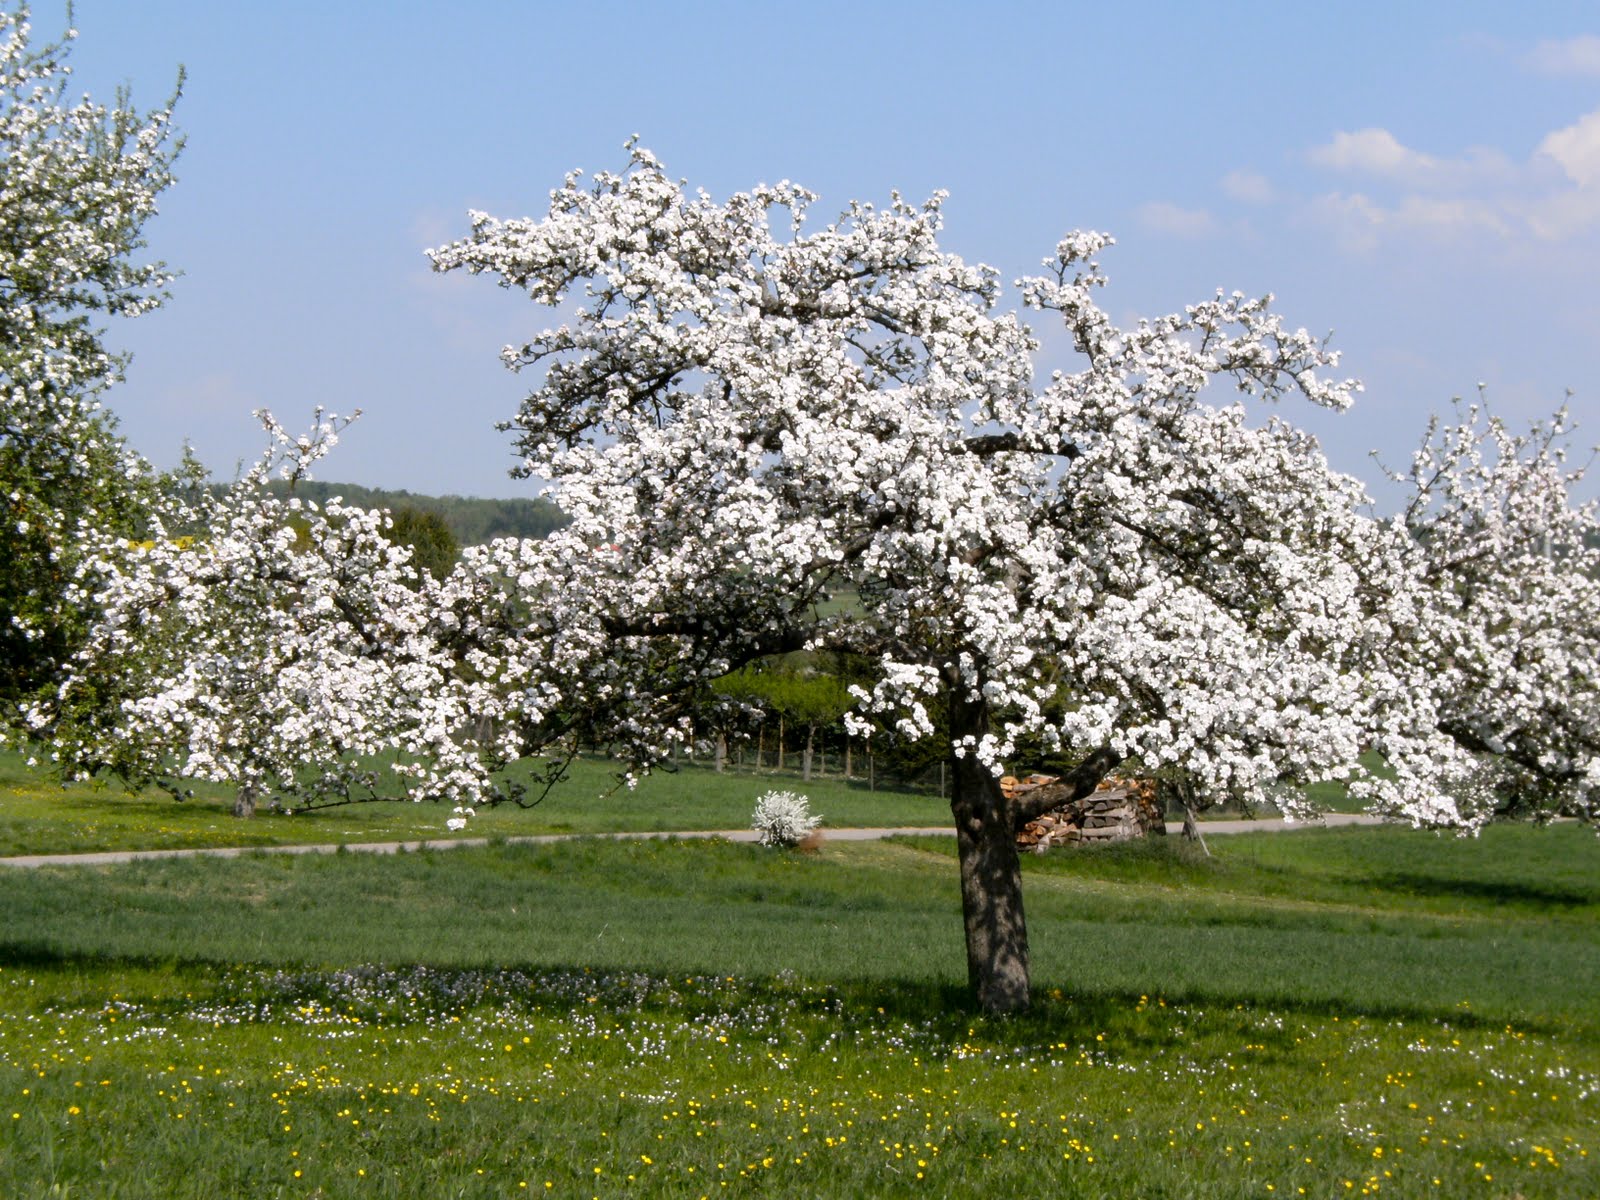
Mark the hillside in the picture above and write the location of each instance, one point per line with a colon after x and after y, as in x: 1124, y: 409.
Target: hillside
x: 472, y: 520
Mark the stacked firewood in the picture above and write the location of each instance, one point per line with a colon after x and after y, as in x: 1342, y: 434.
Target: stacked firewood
x: 1117, y: 810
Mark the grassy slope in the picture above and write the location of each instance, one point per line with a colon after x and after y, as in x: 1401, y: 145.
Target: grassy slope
x: 1320, y: 918
x: 1344, y: 1012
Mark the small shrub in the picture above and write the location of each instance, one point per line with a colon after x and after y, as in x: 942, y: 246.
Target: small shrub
x: 784, y: 819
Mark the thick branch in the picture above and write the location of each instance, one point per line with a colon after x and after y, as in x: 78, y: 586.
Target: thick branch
x: 994, y: 443
x: 1073, y: 786
x: 1468, y: 738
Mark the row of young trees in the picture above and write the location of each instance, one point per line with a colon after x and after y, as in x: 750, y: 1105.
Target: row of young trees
x: 787, y: 713
x: 1133, y: 563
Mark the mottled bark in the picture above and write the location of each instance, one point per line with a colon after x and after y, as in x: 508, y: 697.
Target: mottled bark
x: 991, y: 873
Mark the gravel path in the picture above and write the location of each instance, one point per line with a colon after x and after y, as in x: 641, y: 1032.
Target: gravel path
x: 108, y: 857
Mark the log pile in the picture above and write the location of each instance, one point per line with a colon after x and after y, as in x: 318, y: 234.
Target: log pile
x: 1119, y: 809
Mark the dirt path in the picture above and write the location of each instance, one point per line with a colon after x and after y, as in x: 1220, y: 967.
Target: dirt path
x: 109, y: 857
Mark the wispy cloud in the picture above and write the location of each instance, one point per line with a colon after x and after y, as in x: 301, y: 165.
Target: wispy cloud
x: 1176, y: 221
x: 1250, y: 187
x: 1551, y: 195
x: 1359, y: 222
x: 1565, y: 56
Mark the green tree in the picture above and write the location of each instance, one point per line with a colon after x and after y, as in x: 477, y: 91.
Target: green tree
x: 434, y: 548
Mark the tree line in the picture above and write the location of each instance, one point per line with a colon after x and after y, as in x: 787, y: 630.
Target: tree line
x: 471, y: 520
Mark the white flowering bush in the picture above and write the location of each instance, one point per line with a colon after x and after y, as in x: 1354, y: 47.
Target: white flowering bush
x: 285, y: 649
x: 784, y: 819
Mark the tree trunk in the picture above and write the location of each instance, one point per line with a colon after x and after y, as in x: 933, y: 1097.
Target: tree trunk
x: 244, y: 801
x: 847, y: 756
x: 805, y: 756
x: 991, y: 881
x: 991, y: 871
x: 780, y: 743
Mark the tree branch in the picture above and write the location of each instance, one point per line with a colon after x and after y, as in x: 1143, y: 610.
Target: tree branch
x: 1074, y: 785
x: 987, y: 444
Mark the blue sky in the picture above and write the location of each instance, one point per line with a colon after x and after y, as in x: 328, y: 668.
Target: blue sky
x: 1421, y: 179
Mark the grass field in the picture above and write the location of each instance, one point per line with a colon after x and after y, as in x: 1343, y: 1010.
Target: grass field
x: 41, y: 817
x: 38, y: 816
x: 1336, y: 1013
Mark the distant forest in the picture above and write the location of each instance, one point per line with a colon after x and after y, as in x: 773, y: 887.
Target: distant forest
x: 472, y: 521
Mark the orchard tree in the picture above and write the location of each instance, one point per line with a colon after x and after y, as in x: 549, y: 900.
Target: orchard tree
x: 78, y: 184
x: 1500, y: 647
x: 281, y: 648
x: 813, y: 700
x: 744, y: 414
x: 1135, y: 563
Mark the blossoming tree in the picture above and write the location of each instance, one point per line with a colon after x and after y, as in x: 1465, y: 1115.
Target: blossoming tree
x: 745, y: 415
x: 280, y: 648
x: 78, y: 183
x: 1498, y: 647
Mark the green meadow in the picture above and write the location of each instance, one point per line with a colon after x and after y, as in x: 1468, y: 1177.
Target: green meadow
x: 1326, y: 1013
x: 39, y: 816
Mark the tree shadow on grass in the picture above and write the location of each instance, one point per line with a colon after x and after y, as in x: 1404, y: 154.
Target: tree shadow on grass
x: 25, y: 954
x: 939, y: 1019
x: 1501, y: 892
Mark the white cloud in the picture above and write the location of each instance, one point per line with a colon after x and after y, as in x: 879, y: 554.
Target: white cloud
x: 1565, y: 56
x: 1250, y: 187
x: 1375, y: 151
x: 1171, y: 219
x: 1551, y: 196
x: 1577, y: 149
